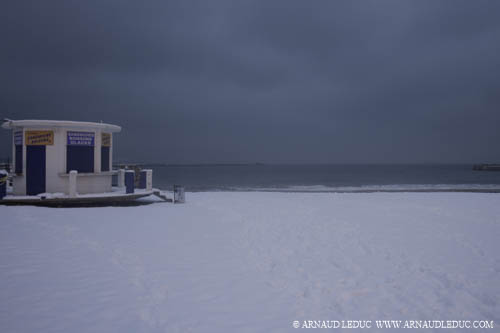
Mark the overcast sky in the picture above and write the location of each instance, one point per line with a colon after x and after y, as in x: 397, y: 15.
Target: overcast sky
x: 262, y: 81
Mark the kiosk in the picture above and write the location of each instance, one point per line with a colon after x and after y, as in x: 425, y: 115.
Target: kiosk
x: 46, y: 151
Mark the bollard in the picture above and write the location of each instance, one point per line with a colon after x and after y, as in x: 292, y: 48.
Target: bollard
x: 129, y: 181
x: 72, y: 183
x: 121, y: 178
x: 3, y: 184
x: 179, y: 196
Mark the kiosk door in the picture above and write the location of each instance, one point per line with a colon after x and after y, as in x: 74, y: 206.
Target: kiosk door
x: 35, y: 170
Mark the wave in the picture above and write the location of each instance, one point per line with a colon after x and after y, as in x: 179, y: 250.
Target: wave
x: 370, y: 188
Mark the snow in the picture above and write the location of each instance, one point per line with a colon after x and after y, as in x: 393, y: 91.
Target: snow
x: 250, y: 262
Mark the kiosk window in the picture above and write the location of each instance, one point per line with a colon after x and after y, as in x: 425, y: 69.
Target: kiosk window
x: 105, y: 151
x: 104, y: 158
x: 80, y: 152
x: 19, y: 159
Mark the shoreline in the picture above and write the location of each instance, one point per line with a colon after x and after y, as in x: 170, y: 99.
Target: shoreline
x: 464, y: 190
x: 376, y: 191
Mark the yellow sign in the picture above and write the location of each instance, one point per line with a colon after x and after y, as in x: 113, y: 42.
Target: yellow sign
x: 106, y: 139
x: 39, y: 138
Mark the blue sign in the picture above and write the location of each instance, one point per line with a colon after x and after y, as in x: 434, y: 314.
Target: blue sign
x: 80, y: 138
x: 18, y: 138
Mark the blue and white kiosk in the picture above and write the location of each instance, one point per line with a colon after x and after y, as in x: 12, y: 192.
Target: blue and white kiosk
x: 45, y: 151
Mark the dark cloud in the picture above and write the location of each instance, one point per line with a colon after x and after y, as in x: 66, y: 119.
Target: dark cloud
x: 272, y: 81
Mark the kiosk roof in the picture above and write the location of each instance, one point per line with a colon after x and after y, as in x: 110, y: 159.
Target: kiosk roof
x: 12, y: 124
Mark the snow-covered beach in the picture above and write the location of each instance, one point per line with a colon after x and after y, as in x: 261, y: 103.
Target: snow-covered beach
x: 251, y: 262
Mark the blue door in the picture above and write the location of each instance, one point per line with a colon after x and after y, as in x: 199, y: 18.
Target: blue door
x: 35, y: 170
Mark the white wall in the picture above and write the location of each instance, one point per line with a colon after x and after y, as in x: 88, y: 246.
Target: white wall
x: 97, y: 151
x: 93, y: 184
x: 111, y: 152
x: 55, y: 163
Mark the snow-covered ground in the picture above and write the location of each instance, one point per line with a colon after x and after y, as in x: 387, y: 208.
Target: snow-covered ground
x: 251, y: 262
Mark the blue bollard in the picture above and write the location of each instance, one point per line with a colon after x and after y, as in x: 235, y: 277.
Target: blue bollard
x: 129, y: 181
x: 142, y: 179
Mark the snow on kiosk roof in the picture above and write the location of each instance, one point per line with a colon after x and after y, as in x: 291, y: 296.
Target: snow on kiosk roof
x: 45, y: 151
x: 13, y: 124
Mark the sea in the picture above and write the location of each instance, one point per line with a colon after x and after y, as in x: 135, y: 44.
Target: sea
x: 324, y: 177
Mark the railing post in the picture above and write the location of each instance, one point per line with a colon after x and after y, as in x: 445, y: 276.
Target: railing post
x: 121, y: 178
x: 149, y: 180
x: 72, y: 183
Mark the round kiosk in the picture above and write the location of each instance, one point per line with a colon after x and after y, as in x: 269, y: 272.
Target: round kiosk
x: 46, y: 151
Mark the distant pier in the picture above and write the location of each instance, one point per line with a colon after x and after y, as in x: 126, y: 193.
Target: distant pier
x: 486, y: 167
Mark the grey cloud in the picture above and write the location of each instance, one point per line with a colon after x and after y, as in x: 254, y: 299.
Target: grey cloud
x: 272, y: 81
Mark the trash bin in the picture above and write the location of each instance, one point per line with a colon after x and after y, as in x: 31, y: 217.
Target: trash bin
x: 3, y: 184
x: 129, y: 181
x: 179, y: 196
